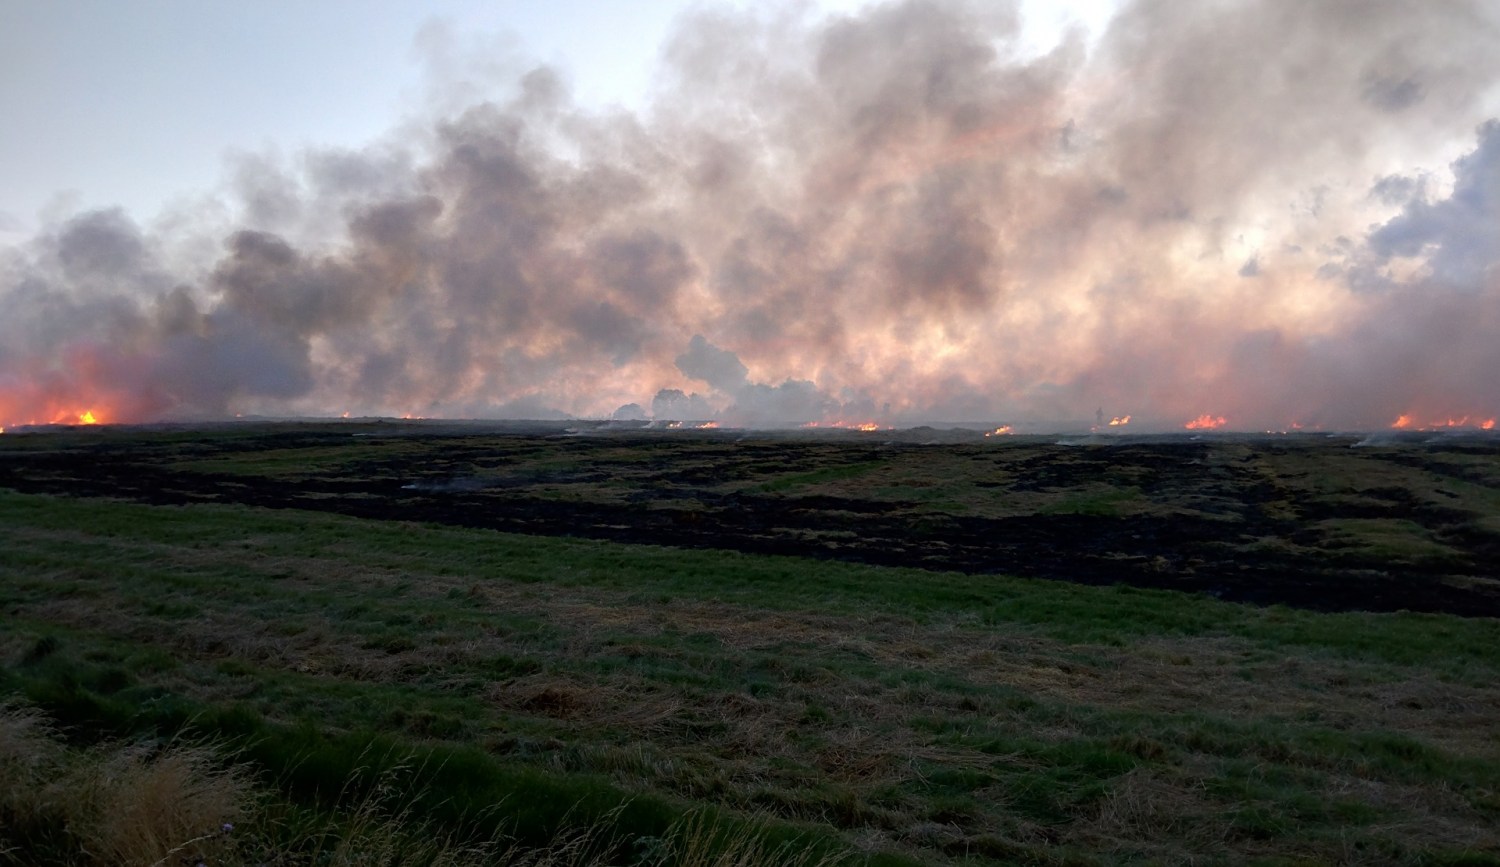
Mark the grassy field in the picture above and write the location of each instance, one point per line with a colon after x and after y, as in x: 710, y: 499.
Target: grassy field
x: 1405, y: 523
x: 353, y: 687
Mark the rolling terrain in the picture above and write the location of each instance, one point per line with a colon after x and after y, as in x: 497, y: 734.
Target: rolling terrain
x: 883, y: 648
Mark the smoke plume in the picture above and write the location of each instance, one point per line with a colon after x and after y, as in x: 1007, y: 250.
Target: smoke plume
x: 1272, y: 211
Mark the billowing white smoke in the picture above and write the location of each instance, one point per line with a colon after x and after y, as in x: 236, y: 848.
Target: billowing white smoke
x: 1273, y: 211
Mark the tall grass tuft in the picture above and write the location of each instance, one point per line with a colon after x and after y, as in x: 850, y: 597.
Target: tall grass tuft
x: 138, y: 805
x: 28, y: 758
x: 133, y: 805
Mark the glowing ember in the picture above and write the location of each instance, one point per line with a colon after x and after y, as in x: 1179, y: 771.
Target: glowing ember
x: 1119, y: 422
x: 846, y: 425
x: 1002, y: 430
x: 1206, y: 422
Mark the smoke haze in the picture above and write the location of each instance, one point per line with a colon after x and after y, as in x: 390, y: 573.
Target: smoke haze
x: 1276, y: 212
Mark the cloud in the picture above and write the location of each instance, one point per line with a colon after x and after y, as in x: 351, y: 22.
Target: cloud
x: 899, y: 211
x: 719, y: 368
x: 1457, y: 233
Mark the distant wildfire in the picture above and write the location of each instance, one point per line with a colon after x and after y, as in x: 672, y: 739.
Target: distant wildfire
x: 1207, y: 422
x: 1242, y: 215
x: 86, y: 417
x: 1406, y: 422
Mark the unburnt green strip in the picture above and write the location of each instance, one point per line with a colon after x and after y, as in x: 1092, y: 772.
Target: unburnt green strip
x: 1117, y: 615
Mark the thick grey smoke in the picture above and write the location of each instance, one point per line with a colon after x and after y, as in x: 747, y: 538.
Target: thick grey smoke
x: 1268, y: 210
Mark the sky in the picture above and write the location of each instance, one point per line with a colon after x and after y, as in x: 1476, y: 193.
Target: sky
x: 1254, y: 214
x: 141, y: 104
x: 138, y: 103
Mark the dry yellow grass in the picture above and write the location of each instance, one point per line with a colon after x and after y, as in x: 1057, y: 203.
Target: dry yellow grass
x: 138, y: 806
x: 28, y: 756
x: 120, y: 805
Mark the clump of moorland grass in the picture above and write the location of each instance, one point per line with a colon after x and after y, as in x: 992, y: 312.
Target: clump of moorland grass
x: 139, y: 804
x: 116, y: 804
x: 28, y: 757
x: 143, y: 805
x: 135, y: 804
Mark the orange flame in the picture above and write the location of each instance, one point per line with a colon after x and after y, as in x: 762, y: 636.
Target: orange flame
x: 86, y: 417
x: 1002, y: 430
x: 1407, y: 422
x: 1119, y: 422
x: 1206, y: 422
x: 708, y: 425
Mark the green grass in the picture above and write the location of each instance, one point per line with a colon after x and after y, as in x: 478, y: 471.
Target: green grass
x: 1108, y: 502
x: 128, y: 540
x: 820, y: 476
x: 344, y: 800
x: 1385, y: 539
x: 541, y: 684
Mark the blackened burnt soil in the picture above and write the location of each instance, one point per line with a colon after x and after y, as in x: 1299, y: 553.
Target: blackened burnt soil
x: 1307, y: 522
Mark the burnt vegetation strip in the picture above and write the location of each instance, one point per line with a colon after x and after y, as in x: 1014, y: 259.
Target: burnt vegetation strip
x: 1306, y: 521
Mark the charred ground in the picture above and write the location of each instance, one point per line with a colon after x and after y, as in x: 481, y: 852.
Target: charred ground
x: 1308, y: 521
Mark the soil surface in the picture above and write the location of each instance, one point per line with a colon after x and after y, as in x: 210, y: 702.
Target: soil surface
x: 1329, y: 523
